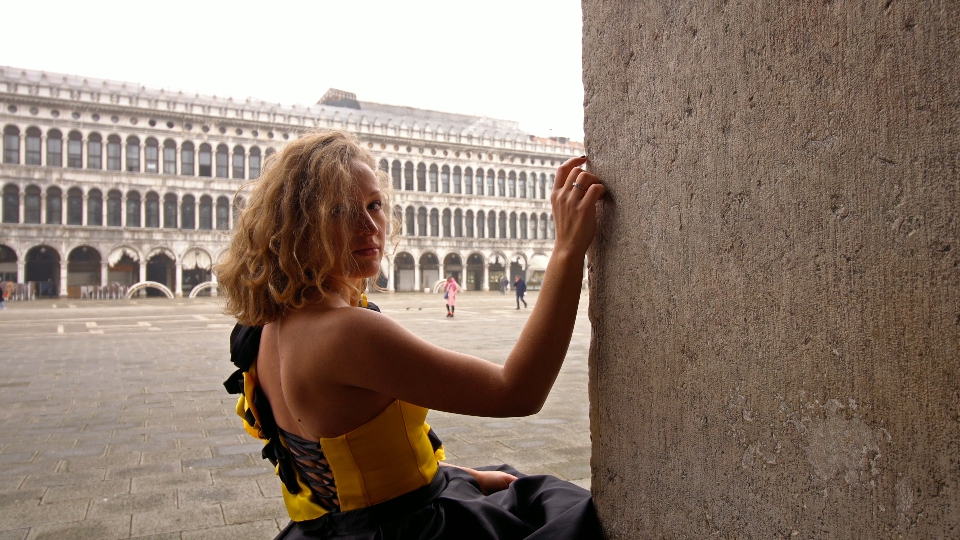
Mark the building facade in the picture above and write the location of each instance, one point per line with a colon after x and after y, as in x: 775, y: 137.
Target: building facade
x: 107, y: 184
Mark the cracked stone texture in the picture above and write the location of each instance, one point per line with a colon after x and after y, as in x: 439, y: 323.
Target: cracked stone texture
x: 130, y: 434
x: 775, y: 289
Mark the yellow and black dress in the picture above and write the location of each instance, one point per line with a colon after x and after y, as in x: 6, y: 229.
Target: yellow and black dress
x: 383, y: 480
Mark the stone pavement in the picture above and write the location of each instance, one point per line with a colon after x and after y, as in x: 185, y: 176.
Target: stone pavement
x: 115, y: 423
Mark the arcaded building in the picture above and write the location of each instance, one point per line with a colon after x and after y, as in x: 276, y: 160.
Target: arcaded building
x: 107, y: 184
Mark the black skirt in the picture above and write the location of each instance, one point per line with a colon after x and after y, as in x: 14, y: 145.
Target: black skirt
x: 452, y: 506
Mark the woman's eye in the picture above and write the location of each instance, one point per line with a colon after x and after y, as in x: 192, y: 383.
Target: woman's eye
x: 375, y: 205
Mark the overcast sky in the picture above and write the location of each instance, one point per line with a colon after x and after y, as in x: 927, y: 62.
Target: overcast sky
x: 514, y: 60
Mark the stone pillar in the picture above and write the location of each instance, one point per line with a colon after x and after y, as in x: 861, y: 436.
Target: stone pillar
x: 43, y: 206
x: 143, y: 271
x: 178, y: 279
x: 390, y: 275
x: 486, y: 276
x: 213, y: 290
x: 21, y: 205
x: 21, y: 271
x: 123, y: 210
x: 416, y: 278
x: 104, y: 272
x: 778, y: 357
x: 62, y: 286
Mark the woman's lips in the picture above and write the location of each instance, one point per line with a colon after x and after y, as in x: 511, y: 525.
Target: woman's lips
x: 367, y: 251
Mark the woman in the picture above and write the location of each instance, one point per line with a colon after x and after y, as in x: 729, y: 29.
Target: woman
x: 341, y: 393
x: 452, y: 288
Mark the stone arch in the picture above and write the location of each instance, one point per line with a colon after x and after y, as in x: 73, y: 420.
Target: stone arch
x: 453, y: 266
x: 474, y: 272
x: 150, y: 286
x: 161, y: 268
x: 83, y: 270
x: 8, y: 263
x: 196, y: 267
x: 429, y: 269
x: 123, y: 265
x: 404, y: 272
x: 42, y: 267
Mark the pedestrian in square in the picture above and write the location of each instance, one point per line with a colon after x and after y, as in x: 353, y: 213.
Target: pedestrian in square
x: 520, y: 286
x: 451, y: 289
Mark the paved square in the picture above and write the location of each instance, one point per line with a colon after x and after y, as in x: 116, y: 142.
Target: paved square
x: 115, y: 423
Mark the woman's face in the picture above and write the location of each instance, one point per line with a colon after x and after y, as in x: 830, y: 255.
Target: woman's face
x: 368, y: 232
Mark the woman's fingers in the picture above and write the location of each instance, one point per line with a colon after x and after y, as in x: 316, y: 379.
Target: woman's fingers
x: 564, y: 170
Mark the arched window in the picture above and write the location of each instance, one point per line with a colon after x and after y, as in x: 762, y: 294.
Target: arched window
x: 94, y: 208
x: 206, y: 213
x: 75, y: 150
x: 114, y: 162
x: 31, y: 205
x: 468, y: 181
x: 238, y: 158
x: 133, y: 154
x: 187, y: 210
x: 395, y: 173
x: 553, y: 231
x: 481, y: 224
x: 205, y: 160
x: 491, y: 224
x: 223, y: 214
x: 186, y: 159
x: 457, y: 179
x: 502, y: 222
x: 169, y: 211
x: 384, y: 166
x: 480, y: 183
x: 512, y: 184
x: 11, y: 204
x: 408, y: 176
x: 115, y: 208
x: 513, y: 225
x: 151, y: 210
x: 533, y: 226
x: 491, y: 180
x: 255, y: 162
x: 33, y: 146
x: 543, y: 226
x: 54, y: 206
x: 169, y: 157
x: 74, y: 206
x: 54, y: 148
x: 445, y: 223
x: 523, y: 185
x: 444, y: 179
x: 458, y: 224
x: 151, y: 155
x: 411, y: 220
x: 223, y: 155
x: 397, y: 220
x: 11, y: 145
x: 501, y: 184
x: 468, y: 221
x: 543, y: 186
x: 432, y: 176
x: 523, y: 226
x: 94, y: 151
x: 422, y: 222
x: 421, y: 177
x: 133, y: 209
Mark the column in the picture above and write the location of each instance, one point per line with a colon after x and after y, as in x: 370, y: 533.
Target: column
x: 104, y: 272
x: 22, y: 217
x: 143, y: 209
x: 62, y: 286
x: 390, y: 276
x: 43, y: 205
x: 178, y: 280
x: 213, y: 289
x: 441, y: 270
x: 486, y: 276
x: 21, y: 273
x: 123, y: 209
x: 63, y: 203
x: 83, y: 210
x: 416, y: 277
x: 143, y: 271
x: 23, y: 148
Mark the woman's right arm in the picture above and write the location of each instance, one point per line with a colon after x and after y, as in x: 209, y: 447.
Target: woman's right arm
x: 367, y: 350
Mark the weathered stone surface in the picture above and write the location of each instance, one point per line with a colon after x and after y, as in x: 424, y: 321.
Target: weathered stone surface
x: 775, y: 289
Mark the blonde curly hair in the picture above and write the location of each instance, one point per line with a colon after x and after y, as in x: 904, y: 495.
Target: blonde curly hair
x: 294, y: 231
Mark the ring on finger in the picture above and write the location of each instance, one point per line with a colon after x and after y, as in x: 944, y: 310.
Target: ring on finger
x: 578, y: 186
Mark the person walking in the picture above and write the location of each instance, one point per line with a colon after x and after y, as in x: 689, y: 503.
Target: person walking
x: 520, y: 286
x: 503, y: 284
x: 452, y: 288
